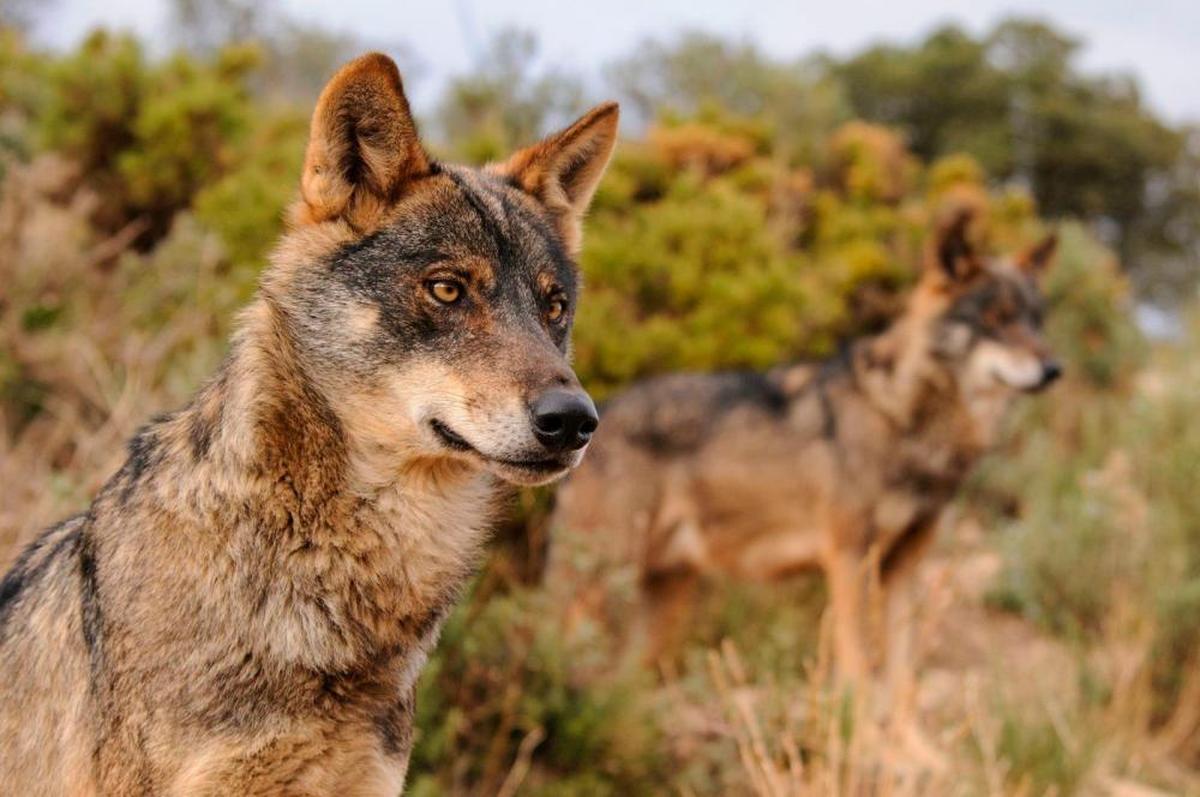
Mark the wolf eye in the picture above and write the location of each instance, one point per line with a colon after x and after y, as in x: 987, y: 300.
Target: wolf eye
x: 445, y: 291
x: 557, y: 309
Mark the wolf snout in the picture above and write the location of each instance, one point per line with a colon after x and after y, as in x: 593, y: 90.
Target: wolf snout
x: 564, y: 420
x: 1051, y: 371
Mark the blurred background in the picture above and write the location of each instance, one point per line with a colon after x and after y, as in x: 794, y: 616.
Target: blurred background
x: 779, y: 167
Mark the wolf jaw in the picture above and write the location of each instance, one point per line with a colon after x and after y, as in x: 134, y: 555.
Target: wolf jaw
x: 525, y: 472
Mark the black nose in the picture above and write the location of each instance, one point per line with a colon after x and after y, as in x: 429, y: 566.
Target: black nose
x: 564, y: 420
x: 1051, y: 371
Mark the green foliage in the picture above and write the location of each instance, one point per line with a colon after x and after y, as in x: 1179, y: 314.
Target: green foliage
x: 1016, y: 101
x: 1039, y: 758
x: 22, y: 394
x: 148, y: 136
x: 23, y: 90
x: 665, y: 281
x: 182, y: 132
x: 94, y: 101
x: 1107, y: 533
x: 245, y: 207
x: 704, y: 252
x: 501, y: 673
x: 1090, y: 319
x: 871, y: 163
x: 944, y: 92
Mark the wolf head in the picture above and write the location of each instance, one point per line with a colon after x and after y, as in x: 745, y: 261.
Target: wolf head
x: 987, y: 328
x: 431, y: 305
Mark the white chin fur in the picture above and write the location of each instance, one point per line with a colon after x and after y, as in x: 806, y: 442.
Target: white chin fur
x: 499, y: 445
x: 1015, y: 369
x: 1025, y: 376
x: 533, y: 477
x: 506, y: 467
x: 523, y: 477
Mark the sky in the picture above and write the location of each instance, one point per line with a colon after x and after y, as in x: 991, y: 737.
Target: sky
x: 1157, y: 40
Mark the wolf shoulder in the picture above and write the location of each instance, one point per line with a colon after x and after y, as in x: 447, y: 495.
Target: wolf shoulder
x: 677, y: 415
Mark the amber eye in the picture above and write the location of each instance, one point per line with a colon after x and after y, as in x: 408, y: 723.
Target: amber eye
x: 557, y: 309
x: 445, y: 291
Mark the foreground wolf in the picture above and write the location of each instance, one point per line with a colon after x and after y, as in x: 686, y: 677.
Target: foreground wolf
x: 247, y: 604
x: 842, y: 465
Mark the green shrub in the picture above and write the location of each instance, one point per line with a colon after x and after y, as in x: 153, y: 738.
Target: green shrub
x: 245, y: 207
x: 1107, y: 528
x: 23, y: 93
x: 147, y: 135
x: 501, y: 673
x: 693, y: 262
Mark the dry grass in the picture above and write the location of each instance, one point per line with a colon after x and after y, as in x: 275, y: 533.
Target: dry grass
x: 1002, y: 709
x: 81, y: 364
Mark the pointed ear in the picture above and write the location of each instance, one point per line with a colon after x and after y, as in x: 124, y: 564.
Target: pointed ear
x: 563, y: 171
x: 1034, y: 260
x: 951, y: 252
x: 363, y: 146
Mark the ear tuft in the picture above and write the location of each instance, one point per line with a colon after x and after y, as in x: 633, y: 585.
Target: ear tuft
x: 1034, y: 260
x: 952, y: 251
x: 563, y: 171
x: 363, y: 146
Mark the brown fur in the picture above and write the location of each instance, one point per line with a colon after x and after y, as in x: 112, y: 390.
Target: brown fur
x: 842, y: 466
x: 247, y: 604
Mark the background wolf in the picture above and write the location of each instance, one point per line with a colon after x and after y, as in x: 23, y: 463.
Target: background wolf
x: 842, y: 465
x: 246, y: 605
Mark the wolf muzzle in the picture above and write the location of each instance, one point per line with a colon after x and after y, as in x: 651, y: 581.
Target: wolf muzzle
x: 1052, y: 370
x: 564, y: 420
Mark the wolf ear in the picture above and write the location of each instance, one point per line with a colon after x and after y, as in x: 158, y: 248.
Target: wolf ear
x: 1034, y: 260
x: 952, y: 252
x: 363, y: 146
x: 562, y: 171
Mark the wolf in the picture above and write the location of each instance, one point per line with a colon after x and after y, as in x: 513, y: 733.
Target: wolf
x: 245, y: 607
x: 841, y: 466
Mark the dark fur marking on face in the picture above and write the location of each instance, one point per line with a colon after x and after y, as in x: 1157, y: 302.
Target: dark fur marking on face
x: 504, y: 231
x: 996, y: 302
x: 381, y: 269
x: 472, y: 222
x: 344, y: 259
x: 491, y: 225
x: 549, y: 238
x: 522, y: 224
